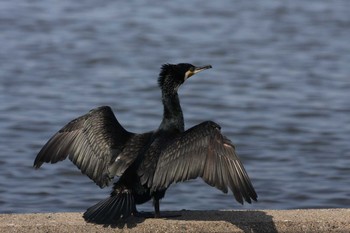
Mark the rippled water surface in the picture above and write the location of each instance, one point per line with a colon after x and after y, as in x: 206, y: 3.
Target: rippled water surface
x: 279, y: 88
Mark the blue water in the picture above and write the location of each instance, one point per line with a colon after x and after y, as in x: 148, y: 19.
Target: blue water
x: 279, y: 88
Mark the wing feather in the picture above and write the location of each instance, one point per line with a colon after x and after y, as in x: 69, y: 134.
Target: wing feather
x: 95, y: 143
x: 203, y: 151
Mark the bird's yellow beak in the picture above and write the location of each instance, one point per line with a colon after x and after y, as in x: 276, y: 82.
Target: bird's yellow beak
x: 196, y: 70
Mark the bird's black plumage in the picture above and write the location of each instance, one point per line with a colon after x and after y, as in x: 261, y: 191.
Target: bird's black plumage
x: 147, y: 164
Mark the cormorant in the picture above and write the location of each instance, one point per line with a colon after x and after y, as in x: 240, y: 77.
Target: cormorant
x: 148, y: 163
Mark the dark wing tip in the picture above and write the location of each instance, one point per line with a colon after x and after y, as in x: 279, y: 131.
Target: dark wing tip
x: 37, y: 165
x: 39, y: 160
x: 250, y: 198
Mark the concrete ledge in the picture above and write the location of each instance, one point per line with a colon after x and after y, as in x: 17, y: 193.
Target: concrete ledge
x: 311, y: 220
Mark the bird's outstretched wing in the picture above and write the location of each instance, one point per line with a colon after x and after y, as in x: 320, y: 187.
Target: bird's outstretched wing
x: 95, y: 143
x: 203, y: 151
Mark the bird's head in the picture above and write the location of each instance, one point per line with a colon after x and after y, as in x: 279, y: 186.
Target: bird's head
x: 172, y: 76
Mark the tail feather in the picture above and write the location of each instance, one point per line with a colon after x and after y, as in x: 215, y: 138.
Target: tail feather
x: 112, y: 209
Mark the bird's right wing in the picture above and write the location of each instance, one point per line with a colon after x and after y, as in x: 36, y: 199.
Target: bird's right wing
x: 203, y: 151
x: 95, y: 143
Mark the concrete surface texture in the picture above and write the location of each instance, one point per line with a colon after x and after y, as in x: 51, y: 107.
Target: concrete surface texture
x: 311, y: 220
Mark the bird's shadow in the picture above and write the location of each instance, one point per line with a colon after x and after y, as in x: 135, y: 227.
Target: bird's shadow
x: 247, y: 221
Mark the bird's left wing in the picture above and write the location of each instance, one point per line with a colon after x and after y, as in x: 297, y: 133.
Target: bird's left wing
x: 96, y: 143
x: 203, y: 151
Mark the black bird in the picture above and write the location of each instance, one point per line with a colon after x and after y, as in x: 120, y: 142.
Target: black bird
x: 148, y: 163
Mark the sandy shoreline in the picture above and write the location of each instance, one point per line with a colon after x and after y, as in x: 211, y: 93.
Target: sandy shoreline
x: 310, y: 220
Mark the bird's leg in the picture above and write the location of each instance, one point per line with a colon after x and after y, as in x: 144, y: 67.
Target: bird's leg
x: 156, y: 208
x: 148, y: 214
x: 157, y: 211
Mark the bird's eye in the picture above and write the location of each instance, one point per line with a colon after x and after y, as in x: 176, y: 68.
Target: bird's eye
x: 191, y: 69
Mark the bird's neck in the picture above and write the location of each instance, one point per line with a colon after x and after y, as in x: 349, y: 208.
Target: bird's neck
x: 172, y: 117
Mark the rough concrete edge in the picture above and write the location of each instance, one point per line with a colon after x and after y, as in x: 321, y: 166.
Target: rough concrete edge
x: 309, y: 220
